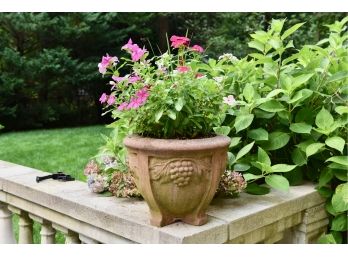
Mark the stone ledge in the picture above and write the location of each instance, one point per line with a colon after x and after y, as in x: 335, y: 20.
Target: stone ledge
x: 127, y: 220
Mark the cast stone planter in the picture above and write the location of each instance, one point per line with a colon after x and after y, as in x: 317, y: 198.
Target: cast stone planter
x: 177, y: 178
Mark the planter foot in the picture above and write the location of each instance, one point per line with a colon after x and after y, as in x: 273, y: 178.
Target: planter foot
x: 196, y: 220
x: 161, y: 220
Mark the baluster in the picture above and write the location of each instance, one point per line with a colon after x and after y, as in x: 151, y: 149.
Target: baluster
x: 47, y: 232
x: 71, y: 237
x: 6, y: 229
x: 25, y: 226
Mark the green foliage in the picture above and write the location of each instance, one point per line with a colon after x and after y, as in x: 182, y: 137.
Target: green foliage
x: 298, y: 101
x: 47, y: 63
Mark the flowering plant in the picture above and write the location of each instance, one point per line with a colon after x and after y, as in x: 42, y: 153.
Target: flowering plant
x: 174, y: 95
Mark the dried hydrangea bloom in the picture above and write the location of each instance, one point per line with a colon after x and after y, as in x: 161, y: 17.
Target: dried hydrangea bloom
x: 123, y: 185
x: 232, y: 183
x: 97, y: 183
x: 91, y: 168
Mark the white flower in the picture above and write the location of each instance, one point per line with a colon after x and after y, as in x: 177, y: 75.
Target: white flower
x: 229, y: 100
x: 228, y: 57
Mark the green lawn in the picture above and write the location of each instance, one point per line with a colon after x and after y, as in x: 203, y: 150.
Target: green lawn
x: 52, y: 150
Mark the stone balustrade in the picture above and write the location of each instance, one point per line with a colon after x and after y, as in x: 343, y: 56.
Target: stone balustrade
x: 297, y: 216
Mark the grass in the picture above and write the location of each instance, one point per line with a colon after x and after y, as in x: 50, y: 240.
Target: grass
x: 52, y: 150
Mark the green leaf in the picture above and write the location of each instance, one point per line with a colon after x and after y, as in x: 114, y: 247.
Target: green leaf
x: 325, y: 176
x: 300, y: 96
x: 291, y: 30
x: 336, y: 143
x: 282, y: 167
x: 277, y: 182
x: 249, y: 176
x: 300, y: 80
x: 241, y: 167
x: 276, y: 141
x: 313, y: 148
x: 327, y: 239
x: 274, y: 92
x: 179, y: 104
x: 255, y: 189
x: 171, y: 114
x: 298, y: 157
x: 257, y: 45
x: 341, y: 174
x: 272, y: 106
x: 341, y: 109
x: 223, y: 130
x: 263, y: 157
x: 158, y: 115
x: 339, y: 223
x: 246, y: 149
x: 338, y: 76
x: 234, y: 141
x: 324, y: 192
x: 337, y: 166
x: 231, y: 158
x: 258, y: 134
x: 340, y: 198
x: 324, y: 119
x: 248, y: 93
x: 301, y: 128
x: 243, y: 121
x: 343, y: 160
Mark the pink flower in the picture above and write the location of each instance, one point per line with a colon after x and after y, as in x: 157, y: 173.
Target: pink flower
x: 139, y: 98
x: 118, y: 79
x: 134, y: 78
x: 135, y: 51
x: 106, y: 62
x: 197, y: 48
x: 122, y: 106
x: 182, y: 69
x: 128, y: 46
x: 111, y: 100
x: 179, y: 41
x: 229, y: 100
x: 103, y: 98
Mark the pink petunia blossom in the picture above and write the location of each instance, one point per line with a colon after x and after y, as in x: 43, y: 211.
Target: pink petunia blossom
x: 118, y: 79
x: 197, y: 48
x: 229, y: 100
x: 179, y: 41
x: 134, y: 78
x: 139, y: 98
x: 106, y: 62
x: 182, y: 69
x: 135, y: 51
x: 111, y: 100
x: 103, y: 98
x: 122, y: 106
x: 128, y: 46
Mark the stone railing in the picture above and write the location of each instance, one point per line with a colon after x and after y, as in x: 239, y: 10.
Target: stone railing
x: 83, y: 217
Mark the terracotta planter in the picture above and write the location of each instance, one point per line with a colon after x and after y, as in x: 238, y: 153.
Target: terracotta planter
x: 177, y: 178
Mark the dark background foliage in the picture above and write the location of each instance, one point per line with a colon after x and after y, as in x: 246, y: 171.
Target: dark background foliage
x: 48, y: 61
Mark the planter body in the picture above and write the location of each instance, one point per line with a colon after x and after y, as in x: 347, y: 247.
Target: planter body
x: 177, y: 178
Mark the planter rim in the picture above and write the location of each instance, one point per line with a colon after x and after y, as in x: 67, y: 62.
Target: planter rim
x: 157, y: 144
